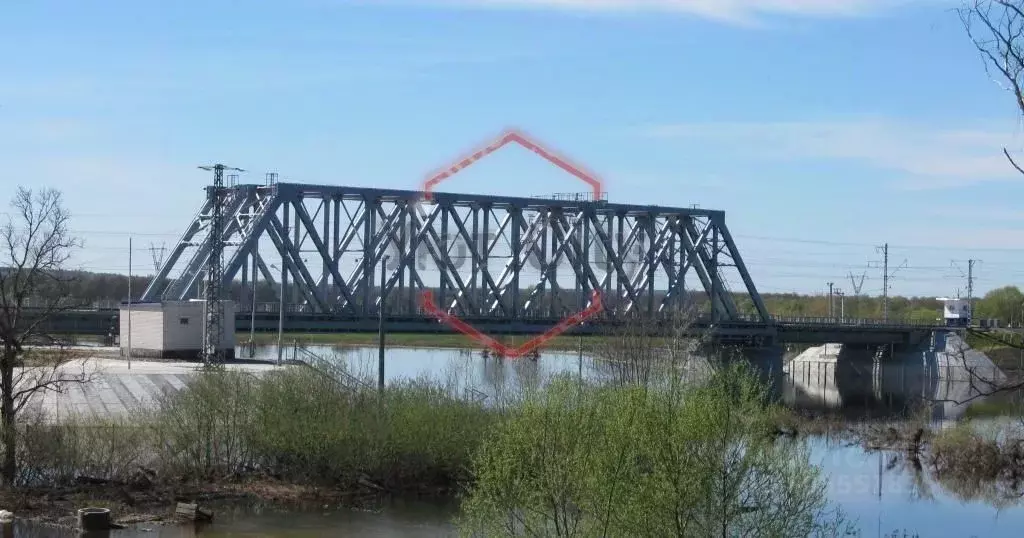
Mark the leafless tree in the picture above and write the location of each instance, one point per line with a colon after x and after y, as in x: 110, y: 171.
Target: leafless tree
x: 997, y: 29
x: 36, y: 243
x: 645, y: 350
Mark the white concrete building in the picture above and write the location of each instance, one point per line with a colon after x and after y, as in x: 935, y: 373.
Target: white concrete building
x: 956, y: 312
x: 171, y: 329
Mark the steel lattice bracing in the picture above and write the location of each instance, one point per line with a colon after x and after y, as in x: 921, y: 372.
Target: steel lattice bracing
x: 213, y: 306
x: 500, y: 257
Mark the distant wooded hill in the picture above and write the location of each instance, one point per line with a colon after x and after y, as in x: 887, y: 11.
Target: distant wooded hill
x: 1005, y: 304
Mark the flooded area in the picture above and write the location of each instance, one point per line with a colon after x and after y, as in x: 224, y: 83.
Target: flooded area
x: 886, y: 495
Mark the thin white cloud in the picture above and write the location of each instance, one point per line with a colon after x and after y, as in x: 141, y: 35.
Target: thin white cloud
x: 726, y: 10
x: 952, y: 237
x: 977, y: 213
x: 922, y: 156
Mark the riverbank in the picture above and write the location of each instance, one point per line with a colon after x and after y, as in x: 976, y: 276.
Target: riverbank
x: 296, y: 435
x: 154, y: 504
x: 947, y: 459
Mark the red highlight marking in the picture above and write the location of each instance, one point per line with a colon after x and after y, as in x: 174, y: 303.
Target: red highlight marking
x: 508, y: 137
x: 427, y: 297
x: 427, y: 301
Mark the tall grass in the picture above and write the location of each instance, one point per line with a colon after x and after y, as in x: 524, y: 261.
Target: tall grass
x: 295, y: 424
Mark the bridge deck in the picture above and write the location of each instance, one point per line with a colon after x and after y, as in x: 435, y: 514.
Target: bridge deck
x: 747, y: 332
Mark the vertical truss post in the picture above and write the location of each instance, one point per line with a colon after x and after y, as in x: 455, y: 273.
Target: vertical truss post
x: 368, y: 249
x: 405, y: 245
x: 621, y: 254
x: 327, y: 239
x: 517, y: 252
x: 652, y: 256
x: 245, y: 292
x: 586, y: 214
x: 554, y: 220
x: 609, y: 266
x: 545, y: 305
x: 297, y: 243
x: 252, y: 310
x: 402, y: 238
x: 255, y: 275
x: 446, y: 259
x: 716, y: 279
x: 335, y: 248
x: 672, y: 264
x: 485, y: 262
x: 474, y: 290
x: 578, y: 279
x: 283, y: 304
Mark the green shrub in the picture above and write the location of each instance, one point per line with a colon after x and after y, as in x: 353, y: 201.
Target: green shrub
x: 634, y: 461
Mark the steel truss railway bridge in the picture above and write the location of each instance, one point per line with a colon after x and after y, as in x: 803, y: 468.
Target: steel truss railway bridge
x: 333, y: 256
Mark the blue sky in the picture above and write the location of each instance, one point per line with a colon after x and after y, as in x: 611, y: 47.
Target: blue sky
x: 822, y: 127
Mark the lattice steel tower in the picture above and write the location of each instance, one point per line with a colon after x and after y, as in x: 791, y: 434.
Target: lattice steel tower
x: 213, y: 307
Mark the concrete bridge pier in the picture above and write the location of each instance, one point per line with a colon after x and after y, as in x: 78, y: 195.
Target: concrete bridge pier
x: 936, y: 372
x: 767, y: 362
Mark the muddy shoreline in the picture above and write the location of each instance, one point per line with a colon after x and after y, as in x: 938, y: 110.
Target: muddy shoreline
x: 154, y: 506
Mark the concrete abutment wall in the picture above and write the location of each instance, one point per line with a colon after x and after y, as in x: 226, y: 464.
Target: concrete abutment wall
x: 939, y: 372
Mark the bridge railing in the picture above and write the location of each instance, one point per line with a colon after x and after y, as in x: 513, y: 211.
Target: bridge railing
x: 855, y: 322
x: 272, y: 308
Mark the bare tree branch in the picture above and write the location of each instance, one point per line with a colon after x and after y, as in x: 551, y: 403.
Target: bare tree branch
x: 1013, y: 162
x: 981, y: 384
x: 996, y: 27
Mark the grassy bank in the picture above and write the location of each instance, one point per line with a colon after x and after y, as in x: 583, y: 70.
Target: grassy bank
x: 298, y: 425
x: 300, y: 434
x: 234, y: 434
x: 621, y: 450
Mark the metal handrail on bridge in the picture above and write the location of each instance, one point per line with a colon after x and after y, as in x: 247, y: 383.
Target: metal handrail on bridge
x: 853, y: 322
x: 821, y: 321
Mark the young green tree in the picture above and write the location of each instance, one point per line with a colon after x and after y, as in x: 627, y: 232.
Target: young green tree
x: 683, y: 460
x: 1006, y: 304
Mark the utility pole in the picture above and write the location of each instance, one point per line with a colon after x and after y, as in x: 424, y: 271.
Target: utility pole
x: 886, y: 276
x: 885, y: 283
x: 129, y: 302
x: 857, y: 286
x: 830, y: 306
x: 380, y: 324
x: 842, y: 305
x: 280, y: 315
x: 157, y: 253
x: 213, y: 307
x: 970, y: 291
x: 970, y: 286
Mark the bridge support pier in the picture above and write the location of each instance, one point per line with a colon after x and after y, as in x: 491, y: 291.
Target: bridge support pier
x: 892, y: 379
x: 767, y: 363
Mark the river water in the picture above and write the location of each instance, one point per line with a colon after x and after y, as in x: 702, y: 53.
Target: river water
x: 887, y: 497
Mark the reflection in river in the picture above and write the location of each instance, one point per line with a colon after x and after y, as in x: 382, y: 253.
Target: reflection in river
x: 393, y: 520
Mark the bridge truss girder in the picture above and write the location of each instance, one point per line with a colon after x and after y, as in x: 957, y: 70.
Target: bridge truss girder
x: 502, y: 257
